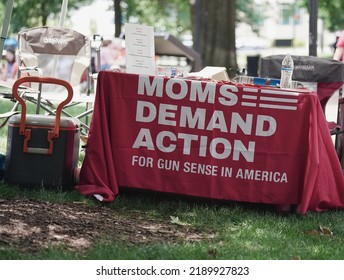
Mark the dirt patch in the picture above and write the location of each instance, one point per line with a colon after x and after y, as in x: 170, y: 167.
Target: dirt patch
x: 29, y: 226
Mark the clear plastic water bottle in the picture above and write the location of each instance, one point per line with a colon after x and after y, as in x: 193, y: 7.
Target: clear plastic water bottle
x: 287, y: 72
x: 173, y: 72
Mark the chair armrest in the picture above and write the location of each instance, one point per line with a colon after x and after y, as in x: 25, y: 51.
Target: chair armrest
x: 31, y: 69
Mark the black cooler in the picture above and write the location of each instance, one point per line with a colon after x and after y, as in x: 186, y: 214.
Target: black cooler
x: 42, y: 150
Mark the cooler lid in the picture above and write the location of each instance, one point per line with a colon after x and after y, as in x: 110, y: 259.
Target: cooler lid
x: 41, y: 120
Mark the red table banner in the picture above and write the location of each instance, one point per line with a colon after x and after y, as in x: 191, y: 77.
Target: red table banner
x: 222, y: 141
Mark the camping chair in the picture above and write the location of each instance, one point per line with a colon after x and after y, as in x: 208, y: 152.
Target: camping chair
x: 59, y: 53
x: 324, y: 76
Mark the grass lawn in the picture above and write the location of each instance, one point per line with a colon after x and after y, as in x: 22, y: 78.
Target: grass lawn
x: 157, y: 226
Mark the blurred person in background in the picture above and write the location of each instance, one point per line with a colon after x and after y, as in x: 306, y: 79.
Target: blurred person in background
x: 9, y: 71
x: 107, y: 55
x: 120, y: 58
x: 339, y: 52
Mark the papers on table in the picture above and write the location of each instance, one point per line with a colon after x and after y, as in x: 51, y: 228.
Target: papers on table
x: 211, y: 72
x: 140, y: 51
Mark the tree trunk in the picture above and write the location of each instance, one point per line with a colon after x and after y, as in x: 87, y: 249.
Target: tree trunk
x: 44, y: 14
x: 118, y: 17
x: 216, y: 40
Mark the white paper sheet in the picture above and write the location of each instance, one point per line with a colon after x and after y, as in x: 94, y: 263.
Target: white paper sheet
x: 140, y: 51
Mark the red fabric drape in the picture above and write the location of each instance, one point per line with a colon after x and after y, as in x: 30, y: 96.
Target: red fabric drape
x: 213, y: 140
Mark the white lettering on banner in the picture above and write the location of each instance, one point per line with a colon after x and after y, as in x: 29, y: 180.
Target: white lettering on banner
x: 228, y: 97
x: 222, y: 122
x: 142, y: 161
x: 226, y: 171
x: 167, y: 114
x: 190, y: 119
x: 145, y: 86
x: 238, y: 121
x: 175, y: 92
x: 262, y: 175
x: 168, y: 164
x: 270, y: 121
x: 209, y: 169
x: 219, y: 148
x: 144, y: 139
x: 160, y: 139
x: 198, y: 168
x: 217, y: 121
x: 198, y: 93
x: 145, y: 111
x: 178, y: 89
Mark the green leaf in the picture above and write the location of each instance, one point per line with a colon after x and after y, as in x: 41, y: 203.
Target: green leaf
x: 175, y: 220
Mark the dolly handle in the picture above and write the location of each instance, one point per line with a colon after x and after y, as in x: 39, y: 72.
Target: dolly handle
x: 43, y: 80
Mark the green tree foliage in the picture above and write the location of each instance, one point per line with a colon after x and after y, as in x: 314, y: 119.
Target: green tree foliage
x: 163, y: 15
x: 174, y: 16
x: 332, y: 12
x: 247, y: 11
x: 33, y: 13
x: 215, y: 39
